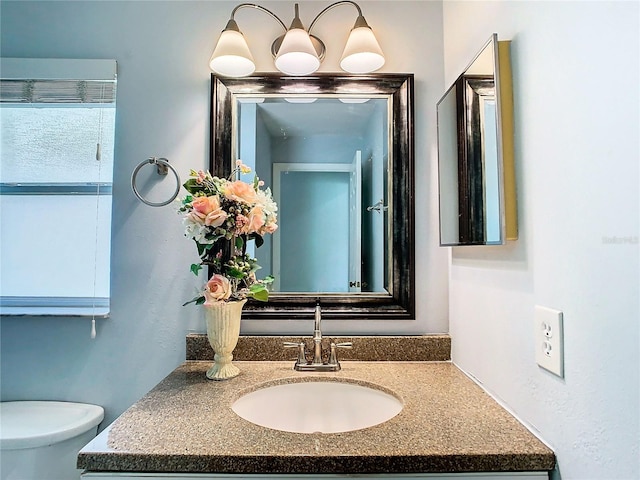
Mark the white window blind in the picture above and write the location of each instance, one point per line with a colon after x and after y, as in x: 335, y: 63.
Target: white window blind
x: 57, y: 128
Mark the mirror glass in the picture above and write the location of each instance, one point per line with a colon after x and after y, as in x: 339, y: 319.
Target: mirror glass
x: 472, y: 156
x: 337, y: 153
x: 328, y: 178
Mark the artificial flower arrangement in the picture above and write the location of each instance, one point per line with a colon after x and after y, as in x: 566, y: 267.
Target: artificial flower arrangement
x: 221, y: 215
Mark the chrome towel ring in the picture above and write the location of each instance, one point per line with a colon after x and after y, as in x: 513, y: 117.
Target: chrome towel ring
x: 163, y: 167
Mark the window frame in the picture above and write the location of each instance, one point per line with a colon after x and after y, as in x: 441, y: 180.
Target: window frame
x: 59, y: 71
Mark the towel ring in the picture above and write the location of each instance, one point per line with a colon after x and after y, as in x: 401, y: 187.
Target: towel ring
x: 163, y: 168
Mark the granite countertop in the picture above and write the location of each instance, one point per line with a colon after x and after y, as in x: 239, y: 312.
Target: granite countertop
x: 447, y: 424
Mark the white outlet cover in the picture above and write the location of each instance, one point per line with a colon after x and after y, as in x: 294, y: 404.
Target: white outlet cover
x: 548, y: 339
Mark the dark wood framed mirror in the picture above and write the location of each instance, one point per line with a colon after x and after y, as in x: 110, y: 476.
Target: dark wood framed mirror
x: 389, y: 294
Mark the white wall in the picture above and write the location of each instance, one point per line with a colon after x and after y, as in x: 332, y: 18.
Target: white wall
x: 576, y: 82
x: 162, y: 49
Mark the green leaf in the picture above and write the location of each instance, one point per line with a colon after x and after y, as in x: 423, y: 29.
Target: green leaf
x: 239, y: 243
x: 254, y: 268
x: 235, y: 273
x: 192, y: 186
x: 195, y: 268
x: 259, y: 292
x: 199, y: 300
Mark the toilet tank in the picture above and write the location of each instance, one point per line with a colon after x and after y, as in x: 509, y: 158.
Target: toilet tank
x: 41, y: 439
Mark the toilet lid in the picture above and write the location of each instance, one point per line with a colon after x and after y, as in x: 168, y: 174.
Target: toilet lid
x: 32, y: 424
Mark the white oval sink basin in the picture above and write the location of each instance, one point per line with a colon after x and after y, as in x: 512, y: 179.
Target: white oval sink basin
x: 324, y: 407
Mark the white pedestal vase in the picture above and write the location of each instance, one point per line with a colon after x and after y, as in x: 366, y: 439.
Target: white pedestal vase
x: 223, y: 330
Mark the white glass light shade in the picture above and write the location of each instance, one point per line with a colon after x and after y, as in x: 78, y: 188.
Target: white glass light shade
x: 353, y: 100
x: 300, y: 99
x: 362, y: 53
x: 231, y: 57
x: 296, y: 55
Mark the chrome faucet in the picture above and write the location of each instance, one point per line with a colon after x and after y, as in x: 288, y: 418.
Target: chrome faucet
x: 317, y: 336
x: 317, y: 364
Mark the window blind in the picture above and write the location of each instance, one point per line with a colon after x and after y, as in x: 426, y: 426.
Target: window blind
x: 57, y: 91
x: 54, y: 114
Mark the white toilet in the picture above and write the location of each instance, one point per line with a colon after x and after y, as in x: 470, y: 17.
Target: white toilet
x: 40, y: 440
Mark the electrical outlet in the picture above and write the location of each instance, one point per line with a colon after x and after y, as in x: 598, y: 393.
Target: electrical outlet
x: 549, y: 341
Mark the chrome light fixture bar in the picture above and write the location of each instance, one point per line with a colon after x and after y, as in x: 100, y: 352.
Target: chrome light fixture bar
x: 296, y: 52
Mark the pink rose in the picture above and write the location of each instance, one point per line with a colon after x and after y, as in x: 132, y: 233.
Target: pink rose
x: 196, y: 217
x: 205, y: 205
x: 240, y: 192
x: 218, y: 289
x: 215, y: 218
x: 207, y: 210
x: 256, y: 219
x: 270, y: 227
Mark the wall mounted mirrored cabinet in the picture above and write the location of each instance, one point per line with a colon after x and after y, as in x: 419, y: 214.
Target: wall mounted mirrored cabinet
x: 337, y: 152
x: 475, y: 152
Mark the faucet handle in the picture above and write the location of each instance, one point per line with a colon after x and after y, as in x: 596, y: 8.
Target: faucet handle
x: 333, y: 357
x: 302, y: 356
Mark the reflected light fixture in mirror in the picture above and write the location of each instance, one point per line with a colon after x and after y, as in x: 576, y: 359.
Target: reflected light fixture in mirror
x: 296, y: 52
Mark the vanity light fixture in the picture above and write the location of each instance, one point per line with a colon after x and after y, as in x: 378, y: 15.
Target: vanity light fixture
x: 296, y: 52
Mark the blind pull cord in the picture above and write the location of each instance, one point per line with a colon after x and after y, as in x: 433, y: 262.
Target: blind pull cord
x: 95, y: 255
